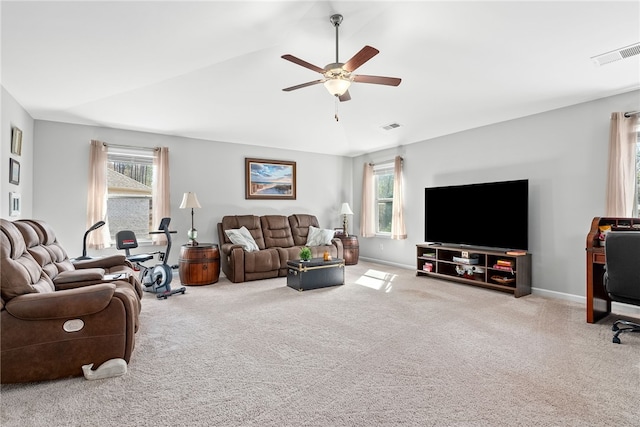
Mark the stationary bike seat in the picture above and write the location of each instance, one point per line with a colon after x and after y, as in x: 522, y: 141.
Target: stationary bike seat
x: 140, y: 257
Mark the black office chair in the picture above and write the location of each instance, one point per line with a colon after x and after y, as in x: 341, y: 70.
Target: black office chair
x: 622, y: 274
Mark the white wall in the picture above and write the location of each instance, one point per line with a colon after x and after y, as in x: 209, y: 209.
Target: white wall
x: 213, y: 170
x: 14, y: 115
x: 563, y: 154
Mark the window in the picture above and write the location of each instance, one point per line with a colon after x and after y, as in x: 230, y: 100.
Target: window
x: 129, y: 191
x: 383, y: 186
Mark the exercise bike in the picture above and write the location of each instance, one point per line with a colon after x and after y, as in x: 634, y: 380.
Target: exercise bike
x: 156, y: 279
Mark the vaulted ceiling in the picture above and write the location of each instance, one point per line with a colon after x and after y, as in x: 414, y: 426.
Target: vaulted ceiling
x: 213, y: 69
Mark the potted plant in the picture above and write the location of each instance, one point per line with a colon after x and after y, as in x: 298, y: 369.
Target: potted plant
x: 305, y: 253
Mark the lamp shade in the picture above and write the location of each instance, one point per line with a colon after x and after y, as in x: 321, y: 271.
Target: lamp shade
x: 337, y: 86
x: 346, y: 210
x: 190, y: 200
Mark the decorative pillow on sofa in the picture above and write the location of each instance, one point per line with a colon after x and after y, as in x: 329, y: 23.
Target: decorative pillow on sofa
x: 242, y: 236
x: 319, y: 236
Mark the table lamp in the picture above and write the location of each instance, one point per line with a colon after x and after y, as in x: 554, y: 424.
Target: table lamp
x: 190, y: 200
x: 346, y: 210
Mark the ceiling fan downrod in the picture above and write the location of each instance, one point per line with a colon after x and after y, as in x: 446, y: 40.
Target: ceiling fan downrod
x: 336, y: 20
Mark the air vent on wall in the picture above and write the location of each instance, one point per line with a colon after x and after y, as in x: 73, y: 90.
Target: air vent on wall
x: 616, y: 55
x: 391, y: 126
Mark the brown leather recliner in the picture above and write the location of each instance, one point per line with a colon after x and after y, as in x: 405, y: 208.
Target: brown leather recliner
x: 279, y: 239
x: 239, y: 265
x: 46, y: 333
x: 277, y: 234
x: 42, y: 243
x: 300, y: 224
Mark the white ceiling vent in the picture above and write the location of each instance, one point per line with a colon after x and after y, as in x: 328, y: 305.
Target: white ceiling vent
x: 391, y: 126
x: 616, y: 55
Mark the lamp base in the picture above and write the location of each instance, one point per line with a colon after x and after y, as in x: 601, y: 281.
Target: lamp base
x: 344, y: 226
x: 192, y: 234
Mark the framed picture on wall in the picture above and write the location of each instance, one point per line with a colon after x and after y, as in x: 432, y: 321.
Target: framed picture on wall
x: 14, y: 171
x: 16, y: 141
x: 270, y: 179
x: 14, y: 204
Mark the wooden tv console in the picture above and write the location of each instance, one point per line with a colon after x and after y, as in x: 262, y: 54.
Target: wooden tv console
x: 598, y: 302
x: 506, y: 271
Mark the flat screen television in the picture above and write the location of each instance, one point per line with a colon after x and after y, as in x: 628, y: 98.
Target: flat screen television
x: 491, y: 214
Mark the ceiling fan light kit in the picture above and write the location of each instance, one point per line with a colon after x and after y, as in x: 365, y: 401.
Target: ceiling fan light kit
x: 337, y: 86
x: 337, y: 76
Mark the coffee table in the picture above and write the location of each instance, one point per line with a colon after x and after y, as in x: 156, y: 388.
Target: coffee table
x: 315, y: 273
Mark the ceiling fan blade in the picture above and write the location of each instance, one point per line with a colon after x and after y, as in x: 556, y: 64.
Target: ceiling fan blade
x: 378, y: 80
x: 300, y: 86
x: 365, y: 54
x: 344, y: 97
x: 303, y: 63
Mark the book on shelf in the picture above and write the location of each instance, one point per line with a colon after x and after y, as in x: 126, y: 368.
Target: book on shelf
x: 505, y: 262
x: 503, y: 268
x: 516, y: 253
x: 466, y: 260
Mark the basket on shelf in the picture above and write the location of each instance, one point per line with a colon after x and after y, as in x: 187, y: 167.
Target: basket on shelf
x: 503, y: 280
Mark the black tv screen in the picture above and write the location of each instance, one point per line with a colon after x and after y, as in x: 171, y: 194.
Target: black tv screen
x: 493, y: 214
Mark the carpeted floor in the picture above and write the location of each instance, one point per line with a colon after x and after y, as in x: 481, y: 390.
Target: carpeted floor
x: 387, y: 348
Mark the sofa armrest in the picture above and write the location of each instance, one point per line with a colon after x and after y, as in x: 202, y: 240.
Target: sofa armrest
x: 103, y: 262
x: 83, y: 275
x: 227, y: 248
x: 337, y: 242
x: 234, y: 256
x: 62, y: 304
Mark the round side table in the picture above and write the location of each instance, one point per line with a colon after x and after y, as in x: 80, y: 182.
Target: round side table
x: 199, y: 264
x: 351, y: 248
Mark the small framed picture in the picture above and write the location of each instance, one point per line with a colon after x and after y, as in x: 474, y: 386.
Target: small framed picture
x: 14, y: 171
x: 14, y: 204
x: 16, y: 141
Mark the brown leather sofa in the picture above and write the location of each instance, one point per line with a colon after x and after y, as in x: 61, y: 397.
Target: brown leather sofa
x: 279, y: 239
x: 56, y: 316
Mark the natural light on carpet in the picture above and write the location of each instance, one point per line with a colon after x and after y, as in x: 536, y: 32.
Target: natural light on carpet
x: 378, y: 280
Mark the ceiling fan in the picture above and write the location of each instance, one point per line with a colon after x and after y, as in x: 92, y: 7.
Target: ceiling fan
x: 338, y: 76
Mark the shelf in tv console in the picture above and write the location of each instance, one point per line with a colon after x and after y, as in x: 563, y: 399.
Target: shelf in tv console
x: 493, y: 268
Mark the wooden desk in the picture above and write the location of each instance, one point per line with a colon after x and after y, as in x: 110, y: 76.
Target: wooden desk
x: 598, y: 302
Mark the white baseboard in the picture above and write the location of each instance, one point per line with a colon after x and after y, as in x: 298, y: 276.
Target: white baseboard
x: 559, y: 295
x: 632, y: 310
x: 393, y: 264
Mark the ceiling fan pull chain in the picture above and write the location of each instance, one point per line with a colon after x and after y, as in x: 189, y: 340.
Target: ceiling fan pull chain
x: 336, y: 115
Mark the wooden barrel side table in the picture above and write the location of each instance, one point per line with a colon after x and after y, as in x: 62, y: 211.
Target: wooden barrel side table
x: 351, y: 248
x: 199, y: 264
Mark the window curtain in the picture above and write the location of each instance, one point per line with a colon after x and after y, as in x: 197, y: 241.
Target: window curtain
x: 160, y: 192
x: 622, y: 166
x: 367, y: 226
x: 398, y: 230
x: 97, y: 196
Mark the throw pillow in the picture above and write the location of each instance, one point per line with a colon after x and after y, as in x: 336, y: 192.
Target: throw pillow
x: 242, y: 236
x: 319, y: 236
